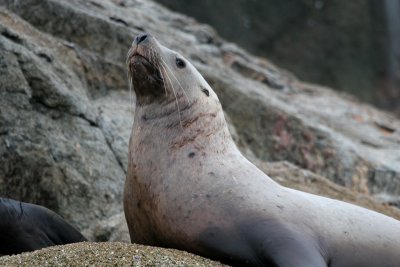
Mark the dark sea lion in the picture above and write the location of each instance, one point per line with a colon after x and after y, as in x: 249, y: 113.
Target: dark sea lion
x: 189, y: 187
x: 27, y: 227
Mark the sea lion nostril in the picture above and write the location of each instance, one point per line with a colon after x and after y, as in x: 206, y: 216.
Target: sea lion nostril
x: 141, y: 37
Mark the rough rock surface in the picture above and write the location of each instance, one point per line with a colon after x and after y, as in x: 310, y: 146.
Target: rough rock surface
x: 106, y: 254
x: 66, y: 111
x: 350, y: 45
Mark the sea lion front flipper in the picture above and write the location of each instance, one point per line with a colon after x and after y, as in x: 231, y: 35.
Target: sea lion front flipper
x: 262, y: 243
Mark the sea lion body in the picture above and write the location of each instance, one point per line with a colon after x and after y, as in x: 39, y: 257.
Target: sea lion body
x: 27, y: 227
x: 189, y: 187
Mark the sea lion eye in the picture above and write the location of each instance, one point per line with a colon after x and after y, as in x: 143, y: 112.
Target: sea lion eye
x: 204, y: 90
x: 180, y: 63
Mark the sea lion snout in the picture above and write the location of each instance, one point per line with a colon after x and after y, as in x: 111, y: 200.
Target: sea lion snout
x: 143, y: 61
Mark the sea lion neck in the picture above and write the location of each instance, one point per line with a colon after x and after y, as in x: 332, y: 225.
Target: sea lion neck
x: 195, y: 124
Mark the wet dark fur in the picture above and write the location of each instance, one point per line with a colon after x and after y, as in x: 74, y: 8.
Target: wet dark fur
x: 27, y: 227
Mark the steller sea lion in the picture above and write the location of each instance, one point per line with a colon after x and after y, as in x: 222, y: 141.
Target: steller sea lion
x: 189, y: 187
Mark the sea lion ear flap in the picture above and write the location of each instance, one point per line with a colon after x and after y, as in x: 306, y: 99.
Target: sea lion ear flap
x: 205, y: 91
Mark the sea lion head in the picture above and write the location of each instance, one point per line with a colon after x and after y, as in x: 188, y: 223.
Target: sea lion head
x: 159, y: 74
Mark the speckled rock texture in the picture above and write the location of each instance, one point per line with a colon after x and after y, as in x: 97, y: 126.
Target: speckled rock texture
x: 66, y: 112
x: 106, y: 254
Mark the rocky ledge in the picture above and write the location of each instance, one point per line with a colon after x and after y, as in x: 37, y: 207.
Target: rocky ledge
x: 106, y: 254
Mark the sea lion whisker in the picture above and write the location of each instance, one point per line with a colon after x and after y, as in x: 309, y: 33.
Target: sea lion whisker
x: 165, y: 72
x: 179, y: 83
x: 179, y: 109
x: 151, y: 56
x: 175, y: 95
x: 131, y: 89
x: 128, y: 55
x: 154, y: 56
x: 130, y: 79
x: 153, y: 60
x: 163, y: 79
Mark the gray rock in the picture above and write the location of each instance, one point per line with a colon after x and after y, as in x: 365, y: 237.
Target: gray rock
x: 106, y: 254
x: 321, y: 41
x: 53, y: 148
x: 112, y: 229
